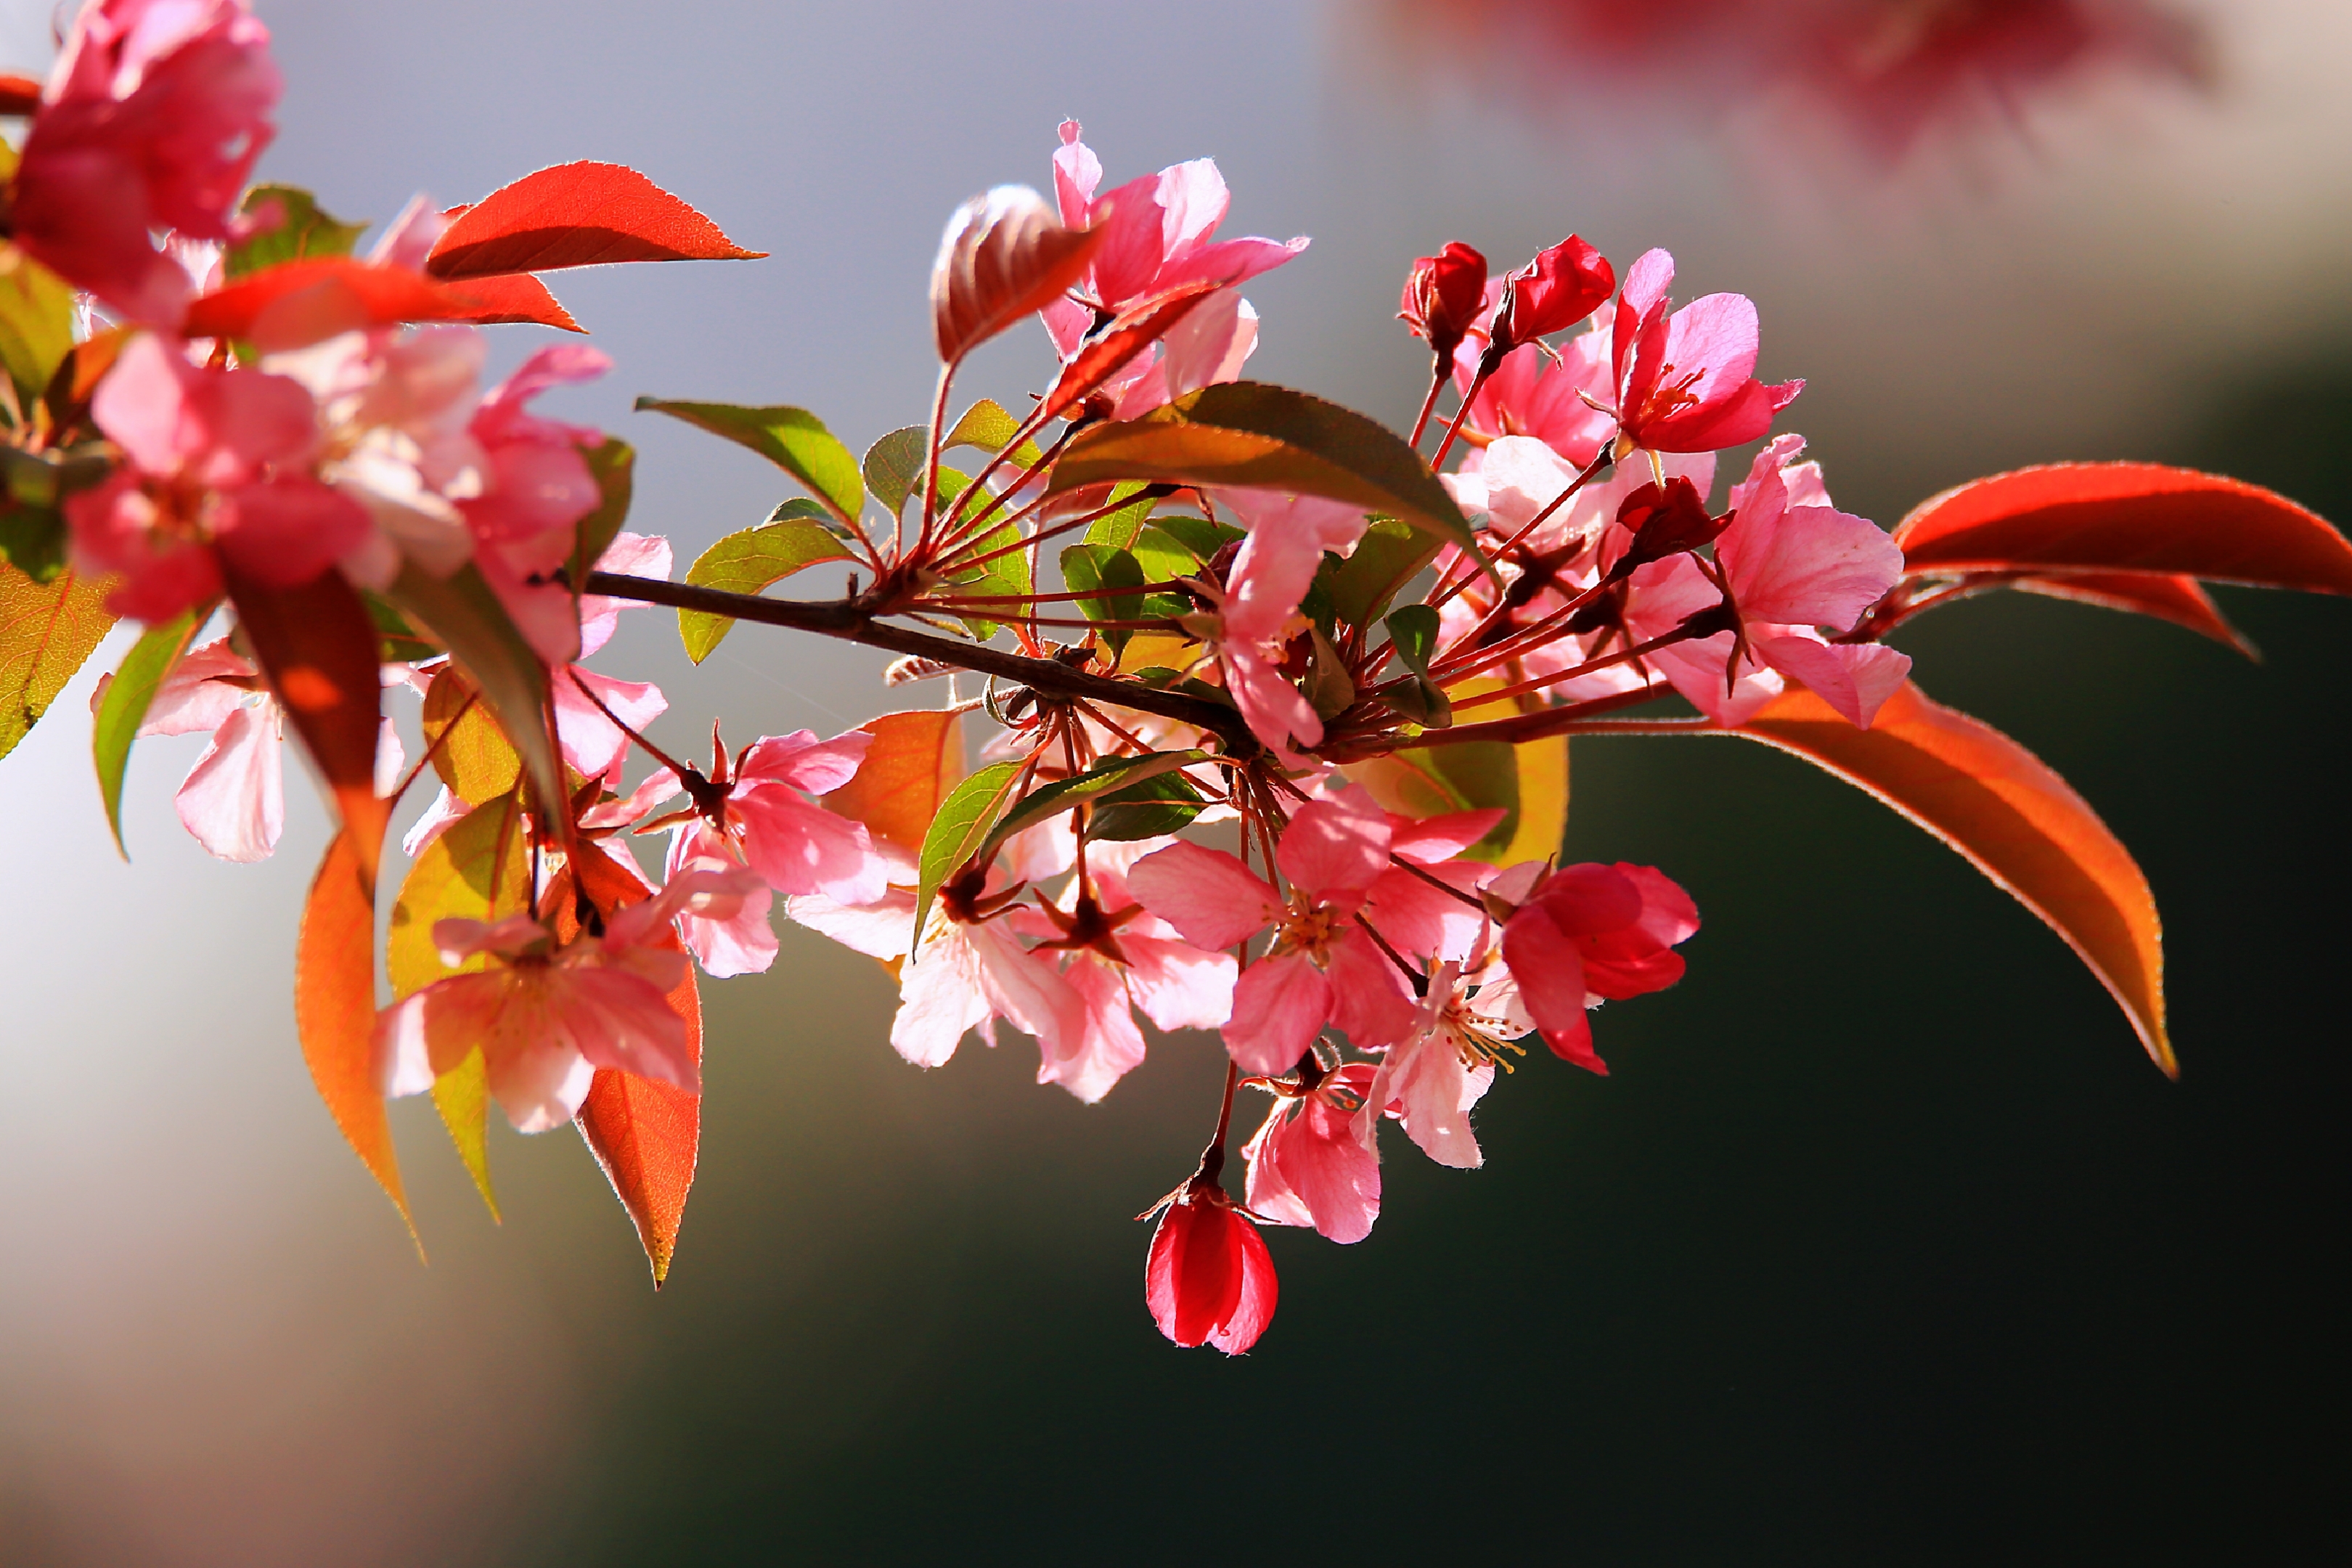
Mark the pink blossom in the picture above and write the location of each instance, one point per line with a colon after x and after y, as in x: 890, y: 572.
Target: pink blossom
x: 1207, y: 348
x: 215, y: 459
x: 537, y: 491
x: 1160, y: 238
x: 1548, y: 396
x: 1685, y: 382
x: 1314, y: 1161
x: 1322, y: 968
x: 545, y: 1017
x: 1429, y: 1078
x: 1590, y: 933
x: 1209, y: 1279
x: 152, y: 120
x: 1790, y: 567
x: 1288, y: 535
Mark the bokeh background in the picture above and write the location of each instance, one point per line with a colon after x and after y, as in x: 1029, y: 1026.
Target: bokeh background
x: 1883, y: 1241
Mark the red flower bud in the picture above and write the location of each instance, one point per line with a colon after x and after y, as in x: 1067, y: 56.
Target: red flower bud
x: 1442, y: 297
x: 1208, y: 1278
x: 1559, y: 289
x: 1665, y: 522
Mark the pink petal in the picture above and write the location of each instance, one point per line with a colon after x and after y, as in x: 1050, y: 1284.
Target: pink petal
x: 1334, y: 848
x: 802, y: 762
x: 591, y: 741
x: 1272, y: 707
x: 619, y: 1020
x: 1206, y: 894
x: 879, y: 930
x: 234, y: 800
x: 803, y: 849
x: 1105, y: 1047
x: 1855, y: 679
x: 1549, y: 971
x: 940, y: 997
x: 1253, y: 1307
x: 1369, y: 1000
x: 1280, y: 1004
x: 1178, y: 985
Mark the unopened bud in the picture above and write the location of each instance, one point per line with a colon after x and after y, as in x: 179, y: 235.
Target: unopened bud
x: 1442, y: 294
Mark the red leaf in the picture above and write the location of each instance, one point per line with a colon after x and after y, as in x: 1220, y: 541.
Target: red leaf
x: 577, y: 214
x: 2012, y: 818
x: 1121, y: 341
x: 515, y: 297
x: 334, y: 1012
x: 1004, y: 255
x: 645, y: 1133
x: 300, y: 303
x: 2129, y: 517
x: 18, y: 95
x: 2167, y: 597
x: 318, y: 645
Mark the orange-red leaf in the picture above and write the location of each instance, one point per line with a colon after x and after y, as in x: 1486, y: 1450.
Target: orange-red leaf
x: 19, y: 94
x: 2167, y: 597
x: 645, y: 1133
x: 2129, y: 517
x: 299, y: 302
x: 577, y: 214
x: 1121, y: 341
x: 318, y: 645
x: 334, y: 1012
x: 515, y: 297
x: 2013, y: 818
x: 1004, y: 255
x: 915, y: 759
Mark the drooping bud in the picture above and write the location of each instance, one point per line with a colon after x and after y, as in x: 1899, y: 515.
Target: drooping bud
x: 1559, y: 289
x: 1442, y: 297
x: 1665, y: 522
x: 1208, y: 1278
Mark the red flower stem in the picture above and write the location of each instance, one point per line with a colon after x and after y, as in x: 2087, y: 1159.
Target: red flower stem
x: 1573, y: 719
x: 1213, y: 1158
x: 1460, y: 414
x: 931, y: 462
x: 1436, y: 385
x: 1447, y: 591
x: 962, y: 533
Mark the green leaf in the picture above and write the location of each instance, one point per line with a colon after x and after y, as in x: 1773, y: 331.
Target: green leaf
x: 1120, y: 526
x: 987, y: 426
x: 1247, y: 433
x: 1087, y: 568
x: 46, y: 630
x: 960, y: 828
x: 1163, y: 559
x: 894, y: 466
x: 465, y: 617
x: 1412, y: 632
x: 36, y: 319
x: 1203, y: 538
x: 309, y: 230
x: 1065, y: 794
x: 1388, y: 557
x: 32, y: 540
x: 614, y: 467
x: 1431, y: 780
x: 1165, y: 804
x: 124, y: 706
x: 1009, y: 573
x: 793, y: 438
x: 480, y: 870
x: 749, y: 562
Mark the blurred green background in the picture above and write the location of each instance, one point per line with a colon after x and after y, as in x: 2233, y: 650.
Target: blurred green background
x: 1883, y: 1241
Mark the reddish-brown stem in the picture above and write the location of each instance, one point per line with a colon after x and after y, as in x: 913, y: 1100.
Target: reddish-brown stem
x: 931, y: 462
x: 1573, y: 719
x: 1461, y: 414
x: 1447, y: 591
x: 1421, y: 423
x: 1213, y: 1158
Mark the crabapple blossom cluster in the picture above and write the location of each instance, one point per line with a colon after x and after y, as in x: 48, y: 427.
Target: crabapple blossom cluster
x: 1276, y: 702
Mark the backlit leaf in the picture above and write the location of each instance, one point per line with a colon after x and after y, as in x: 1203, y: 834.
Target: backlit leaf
x: 1165, y: 804
x: 334, y: 1012
x: 577, y: 214
x: 304, y: 229
x: 793, y: 438
x: 1389, y: 556
x: 123, y: 705
x: 1249, y: 434
x: 894, y: 466
x: 2131, y: 516
x: 1005, y: 255
x: 1107, y: 353
x: 1123, y: 527
x: 749, y: 562
x: 297, y: 303
x: 986, y: 426
x: 1092, y: 568
x: 36, y: 319
x: 2167, y: 597
x: 962, y: 826
x: 516, y: 297
x: 317, y: 644
x: 471, y: 752
x: 2010, y: 817
x: 1066, y: 794
x: 915, y: 762
x: 46, y: 631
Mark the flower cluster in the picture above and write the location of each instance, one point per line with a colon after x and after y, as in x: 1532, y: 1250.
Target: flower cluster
x: 1279, y: 700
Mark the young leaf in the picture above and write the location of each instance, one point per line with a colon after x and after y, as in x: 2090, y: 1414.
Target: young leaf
x: 1245, y: 432
x: 334, y: 1013
x: 645, y: 1133
x: 749, y: 562
x: 1120, y: 342
x: 465, y: 617
x: 514, y: 297
x: 577, y: 214
x: 987, y: 426
x: 2012, y: 818
x: 1166, y: 803
x: 478, y: 869
x: 793, y: 438
x: 36, y: 321
x: 1123, y: 527
x: 318, y: 645
x: 1200, y: 537
x: 962, y: 825
x: 2131, y: 516
x: 914, y: 762
x: 123, y: 705
x: 304, y: 229
x: 2167, y: 597
x: 471, y: 752
x: 1388, y: 557
x: 1092, y: 568
x: 614, y: 466
x: 1065, y: 794
x: 1412, y: 632
x: 46, y: 631
x: 894, y: 466
x: 1004, y: 255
